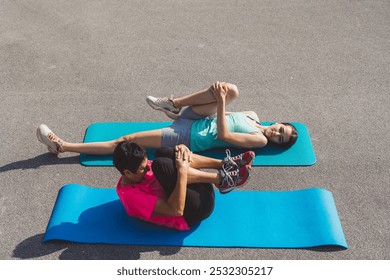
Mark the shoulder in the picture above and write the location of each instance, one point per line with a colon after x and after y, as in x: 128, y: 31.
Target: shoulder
x: 259, y: 138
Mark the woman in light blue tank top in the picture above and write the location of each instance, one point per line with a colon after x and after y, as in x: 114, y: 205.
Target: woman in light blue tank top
x: 204, y: 132
x: 200, y: 122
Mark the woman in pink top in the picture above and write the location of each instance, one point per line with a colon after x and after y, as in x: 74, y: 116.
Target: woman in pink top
x: 172, y: 190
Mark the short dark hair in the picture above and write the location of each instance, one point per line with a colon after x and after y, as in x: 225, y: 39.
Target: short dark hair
x: 293, y: 136
x: 128, y: 155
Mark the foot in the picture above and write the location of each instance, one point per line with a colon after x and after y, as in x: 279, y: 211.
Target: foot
x: 164, y: 104
x: 233, y: 179
x: 47, y: 137
x: 233, y: 163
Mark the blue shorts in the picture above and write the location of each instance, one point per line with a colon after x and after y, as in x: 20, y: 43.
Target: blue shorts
x: 180, y: 130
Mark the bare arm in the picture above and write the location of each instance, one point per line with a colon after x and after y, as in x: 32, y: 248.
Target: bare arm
x: 174, y: 205
x: 255, y: 140
x: 245, y: 140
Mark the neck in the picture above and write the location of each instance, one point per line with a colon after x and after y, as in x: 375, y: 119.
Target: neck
x: 127, y: 181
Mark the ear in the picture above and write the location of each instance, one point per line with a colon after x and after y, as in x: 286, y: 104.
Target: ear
x: 127, y: 172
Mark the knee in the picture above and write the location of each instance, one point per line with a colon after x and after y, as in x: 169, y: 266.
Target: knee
x: 164, y: 170
x: 158, y: 164
x: 114, y: 143
x: 168, y: 152
x: 163, y: 166
x: 130, y: 138
x: 232, y: 90
x: 158, y: 167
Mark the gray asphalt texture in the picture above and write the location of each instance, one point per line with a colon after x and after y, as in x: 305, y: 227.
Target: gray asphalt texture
x: 72, y: 63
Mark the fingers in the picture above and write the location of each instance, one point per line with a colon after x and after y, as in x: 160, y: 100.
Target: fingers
x: 189, y: 156
x: 178, y: 154
x: 213, y: 88
x: 185, y: 155
x: 224, y: 86
x: 182, y: 158
x: 219, y: 87
x: 182, y: 152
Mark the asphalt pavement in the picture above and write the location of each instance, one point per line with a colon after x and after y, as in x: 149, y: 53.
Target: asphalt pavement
x: 72, y: 63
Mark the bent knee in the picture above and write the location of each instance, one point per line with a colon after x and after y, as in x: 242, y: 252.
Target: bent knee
x: 121, y: 139
x: 232, y: 90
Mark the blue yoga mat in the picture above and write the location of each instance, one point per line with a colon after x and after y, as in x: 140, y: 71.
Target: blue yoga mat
x: 300, y: 154
x: 262, y: 219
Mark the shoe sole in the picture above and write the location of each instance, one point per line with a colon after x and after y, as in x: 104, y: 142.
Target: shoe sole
x: 252, y: 160
x: 171, y: 115
x: 249, y: 169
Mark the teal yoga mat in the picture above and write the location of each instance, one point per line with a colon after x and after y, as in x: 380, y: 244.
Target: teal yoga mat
x: 262, y: 219
x: 300, y: 154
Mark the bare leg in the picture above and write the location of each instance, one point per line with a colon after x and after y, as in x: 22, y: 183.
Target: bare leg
x: 93, y: 148
x: 202, y: 162
x: 146, y: 139
x: 199, y: 176
x: 203, y: 102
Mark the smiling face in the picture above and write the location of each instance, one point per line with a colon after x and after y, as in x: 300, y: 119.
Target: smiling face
x: 278, y: 133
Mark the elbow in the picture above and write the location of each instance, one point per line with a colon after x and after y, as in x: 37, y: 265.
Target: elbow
x: 178, y: 212
x: 222, y: 136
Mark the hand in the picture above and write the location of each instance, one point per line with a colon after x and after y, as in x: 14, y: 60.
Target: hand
x: 219, y: 90
x: 183, y: 157
x: 184, y: 148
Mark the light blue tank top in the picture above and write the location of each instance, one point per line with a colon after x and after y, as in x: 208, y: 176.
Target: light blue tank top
x: 204, y: 131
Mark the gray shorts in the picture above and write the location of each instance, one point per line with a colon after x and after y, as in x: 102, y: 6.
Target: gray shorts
x: 180, y: 130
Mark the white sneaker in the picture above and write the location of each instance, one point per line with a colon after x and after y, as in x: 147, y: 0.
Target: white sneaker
x: 47, y: 137
x: 165, y: 105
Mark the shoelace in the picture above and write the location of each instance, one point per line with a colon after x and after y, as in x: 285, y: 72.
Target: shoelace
x: 230, y: 181
x: 230, y: 163
x: 237, y: 158
x: 56, y: 140
x: 160, y: 100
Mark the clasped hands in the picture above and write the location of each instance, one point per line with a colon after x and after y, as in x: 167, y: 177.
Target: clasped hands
x: 219, y: 90
x: 183, y: 156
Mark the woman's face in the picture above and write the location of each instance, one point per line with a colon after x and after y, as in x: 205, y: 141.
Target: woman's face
x: 278, y: 133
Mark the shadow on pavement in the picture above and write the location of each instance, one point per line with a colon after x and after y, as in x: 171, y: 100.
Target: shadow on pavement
x: 38, y: 161
x: 33, y: 248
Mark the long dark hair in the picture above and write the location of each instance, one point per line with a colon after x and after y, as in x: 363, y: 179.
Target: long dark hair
x: 293, y: 136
